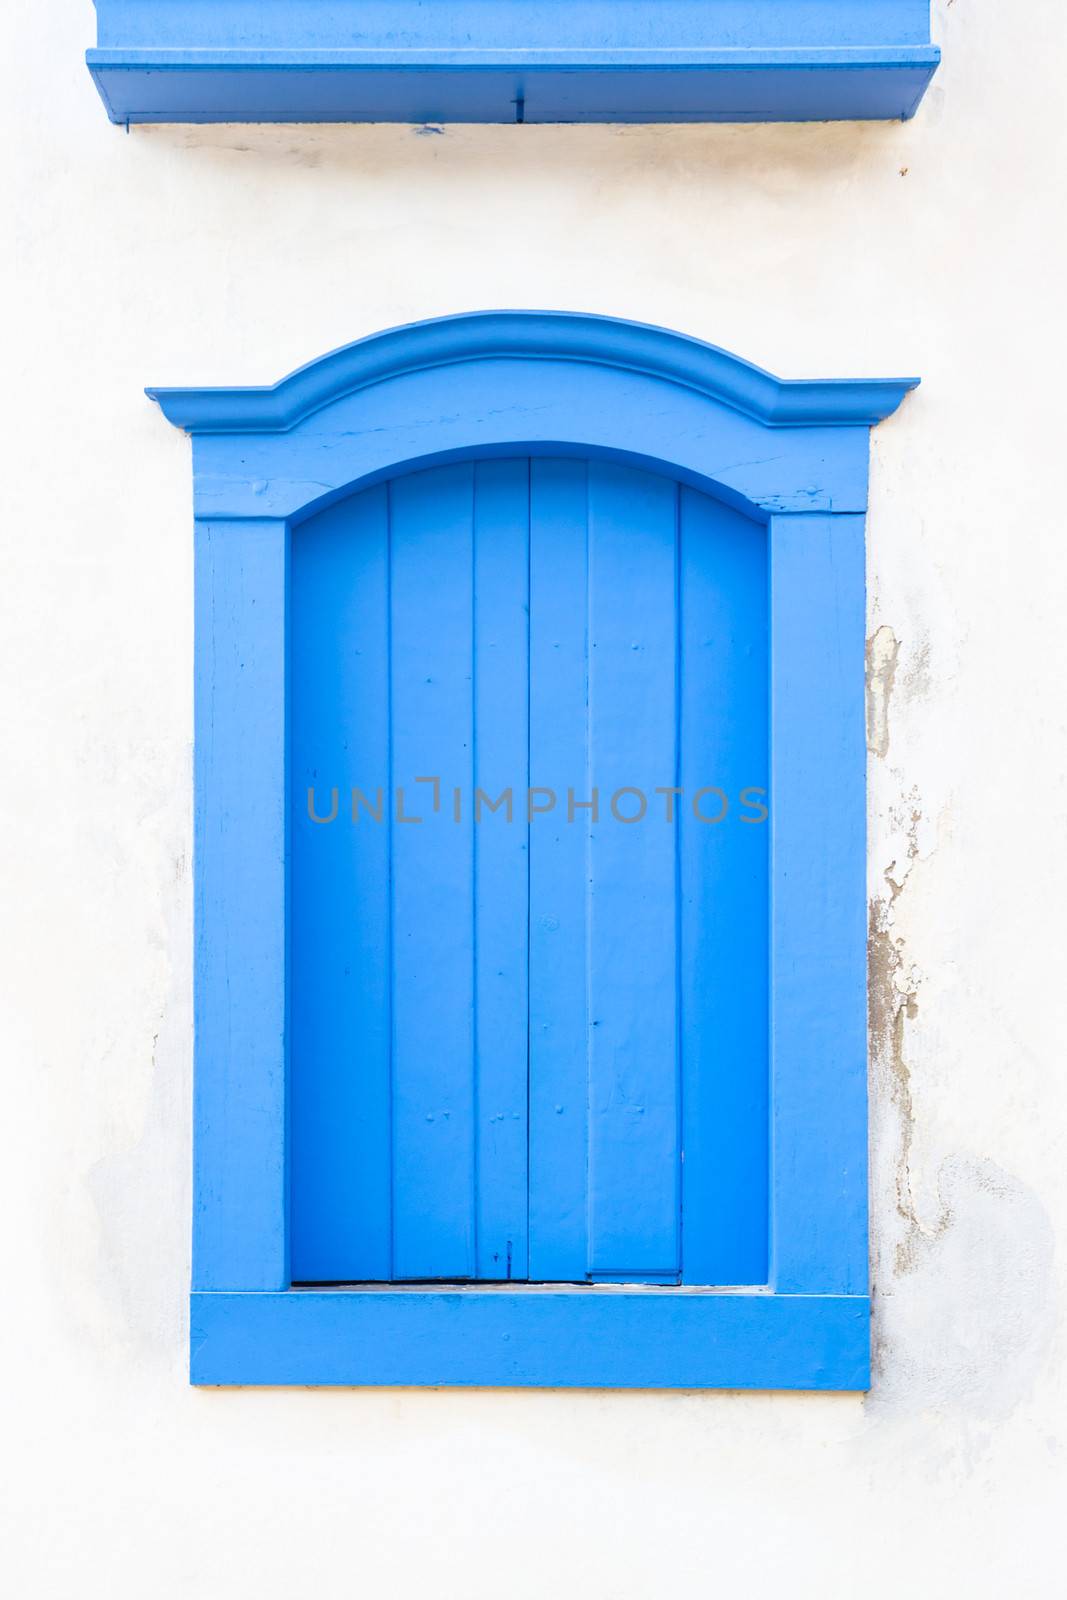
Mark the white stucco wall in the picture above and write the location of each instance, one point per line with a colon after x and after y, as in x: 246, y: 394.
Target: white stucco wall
x: 175, y: 255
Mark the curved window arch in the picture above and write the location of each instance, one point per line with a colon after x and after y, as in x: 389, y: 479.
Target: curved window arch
x: 579, y: 1096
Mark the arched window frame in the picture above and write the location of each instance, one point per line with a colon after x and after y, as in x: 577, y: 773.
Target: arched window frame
x: 791, y: 454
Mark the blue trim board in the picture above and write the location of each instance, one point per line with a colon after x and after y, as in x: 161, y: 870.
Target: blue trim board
x: 514, y: 384
x: 512, y: 60
x: 591, y: 1338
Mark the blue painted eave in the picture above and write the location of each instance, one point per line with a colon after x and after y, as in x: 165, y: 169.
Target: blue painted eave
x: 536, y: 335
x: 511, y: 60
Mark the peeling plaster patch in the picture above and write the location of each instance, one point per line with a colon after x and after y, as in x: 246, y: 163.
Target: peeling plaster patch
x: 892, y: 1001
x: 963, y: 1304
x: 883, y: 651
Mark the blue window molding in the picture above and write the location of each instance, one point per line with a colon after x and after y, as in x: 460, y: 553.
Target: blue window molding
x: 511, y: 60
x: 792, y: 456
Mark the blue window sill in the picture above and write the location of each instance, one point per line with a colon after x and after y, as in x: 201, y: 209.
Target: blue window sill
x: 512, y: 61
x: 585, y: 1337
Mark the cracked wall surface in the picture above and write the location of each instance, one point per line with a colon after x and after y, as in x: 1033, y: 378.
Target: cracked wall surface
x: 231, y: 255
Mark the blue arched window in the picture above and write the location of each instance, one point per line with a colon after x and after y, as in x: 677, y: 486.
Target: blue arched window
x: 530, y: 947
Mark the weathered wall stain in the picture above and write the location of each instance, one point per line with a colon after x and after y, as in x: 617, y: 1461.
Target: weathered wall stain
x: 883, y: 653
x: 970, y: 1328
x: 892, y: 982
x: 893, y: 1002
x: 963, y: 1310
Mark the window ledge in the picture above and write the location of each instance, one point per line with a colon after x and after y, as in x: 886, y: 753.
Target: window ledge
x: 514, y: 61
x: 548, y: 1336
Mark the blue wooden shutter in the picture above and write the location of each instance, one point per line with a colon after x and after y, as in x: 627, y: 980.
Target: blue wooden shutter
x: 529, y: 1048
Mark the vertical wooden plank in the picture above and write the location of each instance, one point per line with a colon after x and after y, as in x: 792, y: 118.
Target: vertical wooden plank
x: 431, y: 532
x: 633, y: 1023
x: 724, y: 904
x: 818, y: 906
x: 501, y: 863
x: 339, y: 945
x: 558, y: 872
x: 239, y: 1165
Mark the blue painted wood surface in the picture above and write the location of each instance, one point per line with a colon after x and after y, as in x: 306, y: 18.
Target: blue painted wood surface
x: 513, y: 995
x: 589, y: 1338
x: 501, y: 762
x: 635, y: 1123
x: 340, y: 1012
x: 510, y: 24
x: 770, y: 478
x: 511, y: 60
x: 432, y: 724
x: 240, y: 1109
x: 724, y: 907
x: 818, y: 911
x: 559, y: 872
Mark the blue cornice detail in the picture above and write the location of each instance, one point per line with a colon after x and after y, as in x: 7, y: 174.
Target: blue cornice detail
x: 542, y: 336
